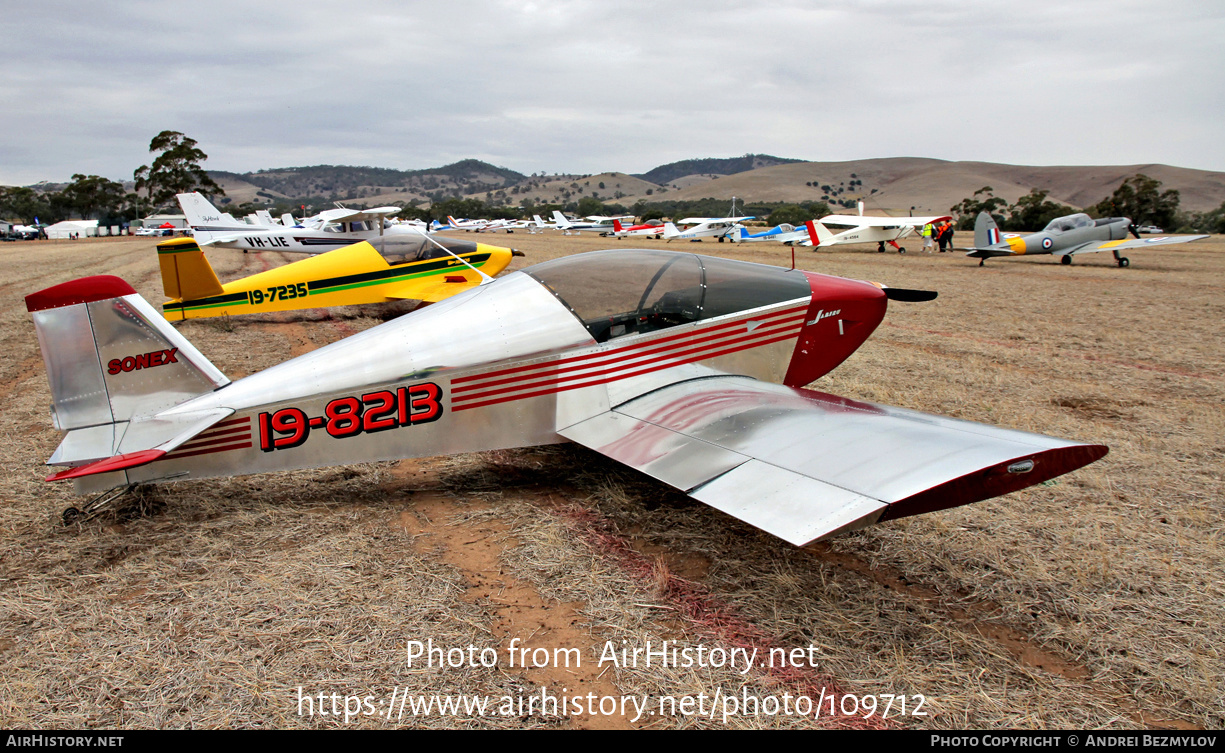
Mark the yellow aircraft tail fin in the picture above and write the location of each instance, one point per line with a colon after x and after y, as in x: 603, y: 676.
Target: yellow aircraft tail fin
x: 186, y: 274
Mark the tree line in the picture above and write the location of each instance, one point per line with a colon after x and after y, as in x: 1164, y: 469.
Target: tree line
x: 175, y: 170
x: 1139, y: 198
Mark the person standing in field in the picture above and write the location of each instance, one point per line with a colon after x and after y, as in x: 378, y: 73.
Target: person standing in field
x: 927, y: 237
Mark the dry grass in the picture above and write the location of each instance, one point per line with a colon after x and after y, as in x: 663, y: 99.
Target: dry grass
x: 1093, y: 601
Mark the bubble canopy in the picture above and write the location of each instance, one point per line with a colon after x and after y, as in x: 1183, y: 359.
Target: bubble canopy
x: 624, y: 292
x: 410, y: 247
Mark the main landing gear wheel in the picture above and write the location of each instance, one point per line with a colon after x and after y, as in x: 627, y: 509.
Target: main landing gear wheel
x: 1065, y: 260
x: 1124, y: 261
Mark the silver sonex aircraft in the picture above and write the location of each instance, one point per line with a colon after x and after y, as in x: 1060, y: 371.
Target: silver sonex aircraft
x: 686, y: 368
x: 1064, y: 237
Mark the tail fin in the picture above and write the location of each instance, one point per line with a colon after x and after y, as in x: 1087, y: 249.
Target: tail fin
x: 539, y: 222
x: 986, y: 232
x: 110, y: 356
x: 287, y: 220
x: 186, y: 274
x: 818, y: 233
x: 737, y: 233
x: 201, y: 212
x: 113, y: 364
x: 670, y: 231
x: 617, y: 226
x: 560, y: 218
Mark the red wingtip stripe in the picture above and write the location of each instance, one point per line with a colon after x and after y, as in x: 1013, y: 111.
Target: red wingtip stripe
x: 117, y: 463
x: 84, y: 290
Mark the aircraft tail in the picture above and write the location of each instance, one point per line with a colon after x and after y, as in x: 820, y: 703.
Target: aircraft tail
x: 208, y: 223
x: 114, y: 363
x: 986, y: 232
x: 539, y: 222
x: 186, y: 275
x: 560, y: 218
x: 670, y: 231
x: 737, y: 233
x: 617, y: 226
x: 287, y: 220
x: 818, y: 233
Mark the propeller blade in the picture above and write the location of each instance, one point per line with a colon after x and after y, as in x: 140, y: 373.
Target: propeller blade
x: 1134, y: 230
x: 909, y: 296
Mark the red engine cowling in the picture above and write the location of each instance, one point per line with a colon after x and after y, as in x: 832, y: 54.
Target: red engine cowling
x: 842, y: 315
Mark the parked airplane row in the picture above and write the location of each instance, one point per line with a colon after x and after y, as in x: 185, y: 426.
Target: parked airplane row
x: 340, y: 227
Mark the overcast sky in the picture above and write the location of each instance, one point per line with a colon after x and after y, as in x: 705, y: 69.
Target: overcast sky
x: 585, y: 86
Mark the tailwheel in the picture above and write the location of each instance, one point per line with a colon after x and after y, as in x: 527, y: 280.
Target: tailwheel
x: 1065, y: 260
x: 96, y: 506
x: 982, y: 261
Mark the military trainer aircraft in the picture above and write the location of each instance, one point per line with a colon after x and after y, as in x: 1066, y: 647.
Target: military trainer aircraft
x: 684, y: 367
x: 1065, y: 237
x: 392, y: 268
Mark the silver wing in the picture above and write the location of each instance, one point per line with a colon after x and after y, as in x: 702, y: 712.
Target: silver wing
x: 1130, y: 243
x: 804, y: 465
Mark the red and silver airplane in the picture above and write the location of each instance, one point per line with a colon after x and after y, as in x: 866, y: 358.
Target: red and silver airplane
x: 684, y: 367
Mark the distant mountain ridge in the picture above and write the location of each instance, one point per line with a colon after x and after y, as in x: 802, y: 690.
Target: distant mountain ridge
x: 890, y: 185
x: 719, y: 166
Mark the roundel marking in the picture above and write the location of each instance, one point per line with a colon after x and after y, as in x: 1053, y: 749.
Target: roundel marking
x: 1047, y: 243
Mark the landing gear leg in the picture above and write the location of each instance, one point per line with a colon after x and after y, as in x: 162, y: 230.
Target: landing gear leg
x: 96, y: 506
x: 1122, y: 260
x: 982, y: 261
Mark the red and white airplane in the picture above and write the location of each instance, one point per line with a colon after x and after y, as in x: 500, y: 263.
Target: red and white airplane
x: 863, y: 228
x: 653, y: 229
x: 687, y: 368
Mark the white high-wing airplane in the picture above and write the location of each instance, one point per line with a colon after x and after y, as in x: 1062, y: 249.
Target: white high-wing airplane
x: 325, y: 231
x: 865, y: 229
x: 590, y: 224
x: 467, y: 225
x: 707, y: 227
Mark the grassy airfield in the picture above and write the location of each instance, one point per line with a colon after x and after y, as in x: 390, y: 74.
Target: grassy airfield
x: 1094, y: 601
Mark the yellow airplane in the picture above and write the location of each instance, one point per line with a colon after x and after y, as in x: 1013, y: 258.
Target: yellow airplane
x: 390, y: 268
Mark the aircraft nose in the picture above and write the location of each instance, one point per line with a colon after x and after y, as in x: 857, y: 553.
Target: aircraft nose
x: 841, y: 316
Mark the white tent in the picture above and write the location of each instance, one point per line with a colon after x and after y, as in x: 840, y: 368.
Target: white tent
x: 83, y: 228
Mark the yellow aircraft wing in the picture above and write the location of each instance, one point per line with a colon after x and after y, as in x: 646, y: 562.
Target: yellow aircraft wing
x: 376, y: 271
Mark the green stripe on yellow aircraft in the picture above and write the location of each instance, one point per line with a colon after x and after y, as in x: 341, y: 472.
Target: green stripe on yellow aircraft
x: 380, y: 270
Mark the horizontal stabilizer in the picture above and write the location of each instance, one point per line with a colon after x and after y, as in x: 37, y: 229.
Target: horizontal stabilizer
x: 127, y: 444
x: 803, y: 465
